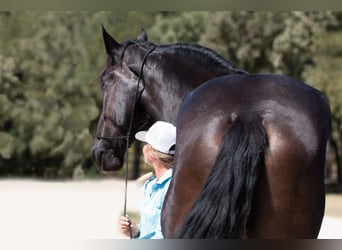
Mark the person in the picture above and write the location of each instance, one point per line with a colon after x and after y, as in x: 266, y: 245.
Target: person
x: 159, y: 152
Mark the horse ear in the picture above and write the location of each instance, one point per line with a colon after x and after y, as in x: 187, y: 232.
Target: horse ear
x: 143, y: 35
x: 110, y: 44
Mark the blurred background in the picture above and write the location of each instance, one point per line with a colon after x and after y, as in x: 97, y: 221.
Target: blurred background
x: 50, y: 99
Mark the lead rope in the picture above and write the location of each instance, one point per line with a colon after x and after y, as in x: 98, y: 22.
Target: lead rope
x: 137, y: 95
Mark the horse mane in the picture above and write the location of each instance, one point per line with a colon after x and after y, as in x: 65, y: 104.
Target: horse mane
x: 201, y: 54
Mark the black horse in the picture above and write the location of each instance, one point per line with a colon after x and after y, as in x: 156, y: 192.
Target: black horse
x: 250, y: 150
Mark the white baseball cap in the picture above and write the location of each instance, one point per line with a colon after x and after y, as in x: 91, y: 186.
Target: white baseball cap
x: 161, y: 136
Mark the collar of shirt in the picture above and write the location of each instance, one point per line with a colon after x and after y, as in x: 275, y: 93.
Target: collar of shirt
x: 165, y: 176
x: 160, y: 183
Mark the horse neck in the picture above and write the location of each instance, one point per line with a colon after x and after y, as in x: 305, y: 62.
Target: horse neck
x: 160, y: 105
x: 172, y: 71
x: 169, y: 77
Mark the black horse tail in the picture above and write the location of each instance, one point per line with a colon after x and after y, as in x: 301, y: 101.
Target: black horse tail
x: 223, y: 207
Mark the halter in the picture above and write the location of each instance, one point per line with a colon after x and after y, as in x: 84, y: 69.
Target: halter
x: 136, y: 98
x: 128, y: 134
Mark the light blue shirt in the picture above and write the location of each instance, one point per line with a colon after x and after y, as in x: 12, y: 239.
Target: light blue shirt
x: 154, y: 194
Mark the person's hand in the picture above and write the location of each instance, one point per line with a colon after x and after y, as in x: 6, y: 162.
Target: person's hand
x: 126, y: 224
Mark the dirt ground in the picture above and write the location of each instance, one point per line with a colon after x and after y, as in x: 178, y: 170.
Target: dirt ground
x: 334, y: 205
x: 79, y: 210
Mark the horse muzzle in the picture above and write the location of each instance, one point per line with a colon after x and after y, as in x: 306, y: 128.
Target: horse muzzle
x: 105, y: 158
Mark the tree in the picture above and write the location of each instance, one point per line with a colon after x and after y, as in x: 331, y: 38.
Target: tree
x: 50, y: 61
x: 178, y: 27
x: 278, y: 42
x: 50, y: 101
x: 305, y: 45
x: 326, y: 75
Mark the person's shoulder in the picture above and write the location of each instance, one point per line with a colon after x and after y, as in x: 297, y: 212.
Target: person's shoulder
x: 144, y: 178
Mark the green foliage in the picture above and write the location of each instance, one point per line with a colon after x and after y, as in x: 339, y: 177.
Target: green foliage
x: 326, y: 75
x: 50, y: 61
x: 279, y: 42
x: 50, y: 101
x: 178, y: 27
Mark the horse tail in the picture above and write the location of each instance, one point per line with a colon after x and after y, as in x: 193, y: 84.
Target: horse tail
x: 223, y: 207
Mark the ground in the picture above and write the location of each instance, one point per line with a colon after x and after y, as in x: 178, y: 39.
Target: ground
x: 334, y: 204
x: 31, y: 209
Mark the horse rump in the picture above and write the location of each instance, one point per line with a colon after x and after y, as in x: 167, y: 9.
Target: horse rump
x: 223, y: 207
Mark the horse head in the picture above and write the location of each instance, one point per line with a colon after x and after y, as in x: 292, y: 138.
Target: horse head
x: 149, y: 82
x: 121, y: 114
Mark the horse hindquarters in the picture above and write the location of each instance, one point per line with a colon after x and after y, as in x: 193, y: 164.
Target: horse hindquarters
x: 223, y: 207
